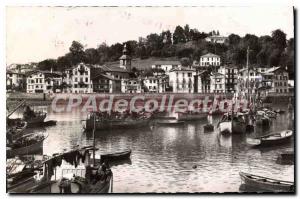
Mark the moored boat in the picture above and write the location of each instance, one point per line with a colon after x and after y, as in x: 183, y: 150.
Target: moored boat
x: 26, y: 145
x: 271, y: 139
x: 33, y: 118
x: 268, y: 184
x: 115, y: 123
x: 21, y: 172
x: 170, y: 123
x: 232, y: 123
x: 192, y: 116
x: 90, y: 179
x: 115, y: 156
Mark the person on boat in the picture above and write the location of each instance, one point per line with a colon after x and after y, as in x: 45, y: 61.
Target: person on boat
x: 28, y: 113
x: 64, y: 186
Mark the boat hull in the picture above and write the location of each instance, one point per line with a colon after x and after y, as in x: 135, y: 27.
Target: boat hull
x: 238, y: 127
x: 32, y: 122
x: 115, y: 156
x: 225, y: 128
x: 27, y: 150
x: 266, y: 183
x: 192, y: 117
x: 116, y: 124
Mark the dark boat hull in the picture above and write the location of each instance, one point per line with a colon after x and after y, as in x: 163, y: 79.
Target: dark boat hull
x: 27, y: 150
x: 115, y: 156
x: 179, y: 123
x: 107, y: 125
x: 268, y: 184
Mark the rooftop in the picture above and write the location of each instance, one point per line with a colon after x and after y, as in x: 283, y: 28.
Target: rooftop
x: 210, y: 55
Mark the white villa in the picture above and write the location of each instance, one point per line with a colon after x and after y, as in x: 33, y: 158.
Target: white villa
x: 210, y: 60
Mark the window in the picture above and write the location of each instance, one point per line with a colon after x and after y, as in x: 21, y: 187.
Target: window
x: 189, y: 74
x: 86, y: 72
x: 75, y: 80
x: 86, y: 79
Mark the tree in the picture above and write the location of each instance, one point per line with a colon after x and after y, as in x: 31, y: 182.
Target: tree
x: 92, y: 56
x: 47, y: 64
x: 279, y: 39
x: 178, y: 35
x: 187, y: 32
x: 77, y: 53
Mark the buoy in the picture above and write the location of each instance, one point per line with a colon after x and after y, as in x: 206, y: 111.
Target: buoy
x: 195, y: 166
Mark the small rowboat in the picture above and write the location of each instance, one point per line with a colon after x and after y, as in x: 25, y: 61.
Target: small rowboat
x: 115, y: 156
x: 268, y: 184
x: 171, y: 123
x: 271, y: 139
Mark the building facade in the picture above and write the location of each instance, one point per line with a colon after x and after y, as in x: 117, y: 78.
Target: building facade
x: 181, y: 79
x: 275, y: 80
x: 104, y: 83
x: 15, y: 80
x: 131, y: 85
x: 210, y: 60
x: 78, y: 79
x: 217, y: 83
x: 43, y: 82
x: 217, y: 39
x: 166, y: 65
x: 231, y: 78
x: 155, y: 84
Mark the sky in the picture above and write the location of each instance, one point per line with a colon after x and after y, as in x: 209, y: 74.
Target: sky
x: 37, y: 33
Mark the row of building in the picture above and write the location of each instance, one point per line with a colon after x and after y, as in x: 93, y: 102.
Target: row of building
x: 205, y: 76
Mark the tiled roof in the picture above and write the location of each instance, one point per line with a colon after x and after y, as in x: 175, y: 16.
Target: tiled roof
x: 182, y: 68
x: 210, y: 55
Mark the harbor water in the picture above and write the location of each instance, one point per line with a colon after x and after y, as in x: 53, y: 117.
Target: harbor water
x: 173, y: 159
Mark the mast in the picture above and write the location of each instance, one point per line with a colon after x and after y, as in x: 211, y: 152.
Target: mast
x: 247, y: 65
x: 94, y: 159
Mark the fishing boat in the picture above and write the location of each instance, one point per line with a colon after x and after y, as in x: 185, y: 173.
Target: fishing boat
x: 208, y: 128
x: 115, y: 156
x: 16, y: 125
x: 271, y: 139
x: 21, y: 172
x: 25, y: 145
x: 102, y: 123
x: 232, y: 123
x: 268, y: 184
x: 33, y: 118
x: 170, y: 123
x: 262, y: 120
x: 89, y: 178
x: 225, y: 126
x: 190, y: 116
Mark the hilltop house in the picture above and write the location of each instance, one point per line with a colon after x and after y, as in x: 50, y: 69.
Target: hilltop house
x: 210, y: 59
x: 217, y: 39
